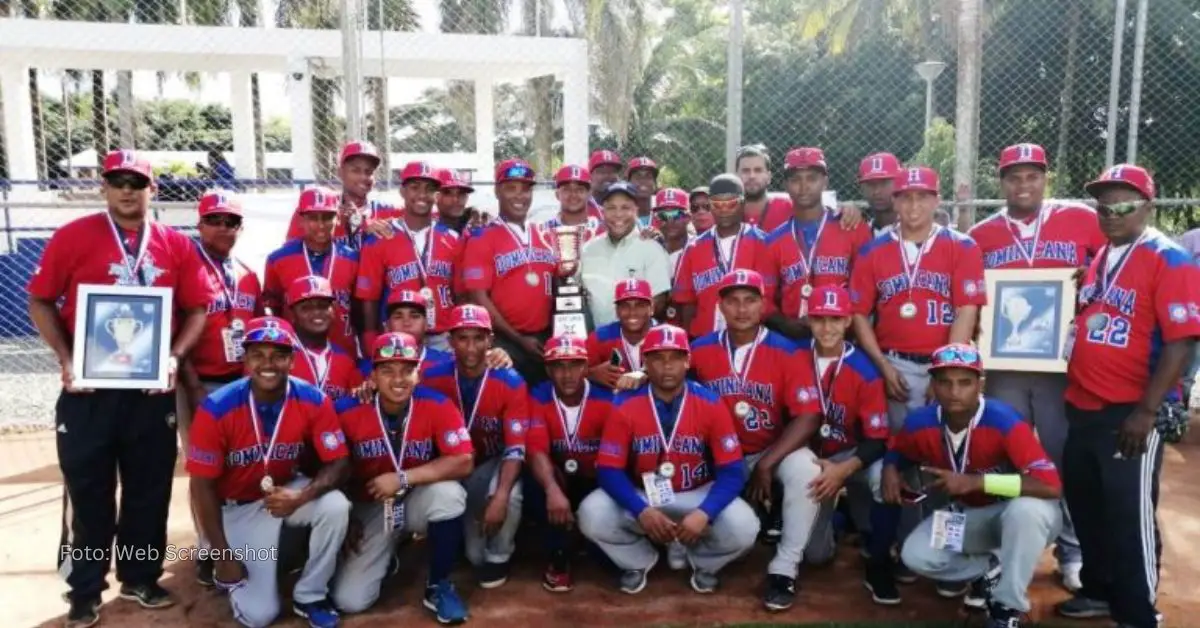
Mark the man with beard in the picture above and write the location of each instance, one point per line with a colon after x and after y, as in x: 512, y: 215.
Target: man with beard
x: 604, y: 166
x: 507, y: 268
x: 423, y: 256
x: 763, y: 209
x: 1031, y: 233
x: 245, y: 443
x: 615, y: 350
x: 571, y: 187
x: 568, y: 416
x: 317, y: 253
x: 643, y: 174
x: 730, y: 245
x: 104, y: 435
x: 1001, y: 488
x: 876, y: 173
x: 776, y: 412
x: 324, y: 364
x: 670, y: 469
x: 496, y: 406
x: 357, y: 215
x: 621, y: 254
x: 810, y: 249
x: 453, y: 193
x: 409, y: 449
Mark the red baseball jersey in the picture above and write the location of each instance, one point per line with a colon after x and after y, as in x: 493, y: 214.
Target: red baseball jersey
x: 1000, y: 441
x: 947, y: 275
x: 548, y: 427
x: 388, y: 265
x: 855, y: 402
x: 342, y: 375
x: 607, y: 339
x: 770, y: 381
x: 497, y: 413
x: 1152, y: 299
x: 703, y: 438
x: 375, y: 210
x: 211, y: 358
x: 340, y: 266
x: 433, y: 428
x: 1061, y: 235
x: 700, y: 271
x: 86, y: 251
x: 827, y: 262
x: 516, y: 274
x: 777, y: 212
x: 226, y: 446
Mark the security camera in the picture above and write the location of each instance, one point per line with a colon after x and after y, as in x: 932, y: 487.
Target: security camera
x: 297, y: 76
x: 298, y: 67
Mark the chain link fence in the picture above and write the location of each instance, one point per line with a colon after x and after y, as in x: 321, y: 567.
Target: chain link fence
x: 832, y: 73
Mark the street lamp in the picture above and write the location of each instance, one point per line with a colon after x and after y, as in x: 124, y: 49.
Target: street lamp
x: 929, y: 71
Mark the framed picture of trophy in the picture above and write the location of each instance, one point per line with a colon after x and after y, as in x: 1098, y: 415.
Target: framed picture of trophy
x: 1024, y: 326
x: 122, y: 337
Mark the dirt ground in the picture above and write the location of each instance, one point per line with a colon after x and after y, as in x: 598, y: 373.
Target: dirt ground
x: 29, y: 514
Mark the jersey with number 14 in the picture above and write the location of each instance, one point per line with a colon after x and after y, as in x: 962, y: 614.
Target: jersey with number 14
x: 1068, y: 236
x: 950, y: 276
x: 774, y: 382
x: 391, y: 264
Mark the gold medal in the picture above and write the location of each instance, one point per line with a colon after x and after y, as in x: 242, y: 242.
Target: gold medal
x: 1097, y: 322
x: 806, y: 291
x: 531, y: 278
x: 571, y: 466
x: 741, y: 409
x: 908, y: 310
x: 427, y: 294
x: 666, y: 470
x: 267, y: 484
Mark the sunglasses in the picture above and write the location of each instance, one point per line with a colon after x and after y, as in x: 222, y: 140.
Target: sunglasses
x: 229, y: 222
x: 1118, y: 209
x: 724, y: 203
x: 517, y: 172
x: 965, y: 355
x: 670, y: 215
x: 130, y: 181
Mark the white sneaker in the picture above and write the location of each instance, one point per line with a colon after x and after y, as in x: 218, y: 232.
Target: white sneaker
x: 1070, y: 576
x: 677, y: 556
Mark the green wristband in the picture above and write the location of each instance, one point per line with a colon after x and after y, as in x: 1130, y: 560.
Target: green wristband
x: 1002, y: 485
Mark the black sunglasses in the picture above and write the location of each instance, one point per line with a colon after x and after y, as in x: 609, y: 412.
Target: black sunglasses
x: 223, y: 220
x: 668, y: 215
x: 131, y: 181
x: 1118, y: 209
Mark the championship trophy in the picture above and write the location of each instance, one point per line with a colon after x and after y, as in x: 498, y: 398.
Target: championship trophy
x: 568, y: 313
x: 123, y: 327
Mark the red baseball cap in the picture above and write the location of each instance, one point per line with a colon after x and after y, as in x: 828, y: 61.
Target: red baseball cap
x: 632, y: 288
x: 1018, y: 154
x: 309, y: 287
x: 919, y: 178
x: 959, y: 356
x: 805, y: 158
x: 604, y: 158
x: 418, y: 170
x: 395, y: 346
x: 270, y: 330
x: 638, y: 163
x: 665, y: 338
x: 1128, y: 175
x: 470, y: 317
x: 564, y: 348
x: 449, y: 179
x: 219, y: 202
x: 671, y: 198
x: 407, y: 297
x: 360, y: 149
x: 572, y: 174
x: 126, y: 160
x: 829, y: 300
x: 877, y: 166
x: 317, y: 200
x: 741, y: 279
x: 514, y: 170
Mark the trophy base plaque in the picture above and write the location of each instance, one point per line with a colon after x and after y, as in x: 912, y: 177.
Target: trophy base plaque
x: 569, y: 319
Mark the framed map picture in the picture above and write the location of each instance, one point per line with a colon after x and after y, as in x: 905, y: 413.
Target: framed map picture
x: 1025, y: 323
x: 122, y: 337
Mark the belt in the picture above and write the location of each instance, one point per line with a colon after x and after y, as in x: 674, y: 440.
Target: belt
x: 230, y: 503
x: 918, y: 358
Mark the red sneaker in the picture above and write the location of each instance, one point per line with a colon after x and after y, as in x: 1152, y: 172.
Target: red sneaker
x: 557, y: 578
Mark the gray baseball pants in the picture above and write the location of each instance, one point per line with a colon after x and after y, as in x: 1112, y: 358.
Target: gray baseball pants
x: 916, y: 376
x: 794, y: 472
x: 480, y: 486
x: 862, y: 489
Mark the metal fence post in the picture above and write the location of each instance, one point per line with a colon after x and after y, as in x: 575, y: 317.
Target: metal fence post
x: 1135, y: 87
x: 1114, y: 85
x: 966, y: 119
x: 733, y: 112
x: 351, y: 70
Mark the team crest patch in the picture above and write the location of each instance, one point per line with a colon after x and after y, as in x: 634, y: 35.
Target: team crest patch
x: 1178, y: 312
x: 329, y: 440
x: 451, y: 438
x: 970, y: 288
x: 803, y: 395
x: 729, y: 443
x: 516, y: 427
x: 878, y: 421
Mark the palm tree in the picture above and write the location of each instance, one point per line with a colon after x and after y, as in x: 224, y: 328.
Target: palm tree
x: 841, y: 24
x: 617, y: 32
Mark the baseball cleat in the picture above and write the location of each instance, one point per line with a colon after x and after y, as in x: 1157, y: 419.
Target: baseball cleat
x: 634, y: 580
x: 1080, y: 607
x: 951, y: 590
x: 703, y: 581
x: 882, y: 584
x: 447, y: 606
x: 320, y: 614
x: 493, y: 575
x: 147, y: 595
x: 557, y: 577
x: 781, y: 593
x: 83, y: 613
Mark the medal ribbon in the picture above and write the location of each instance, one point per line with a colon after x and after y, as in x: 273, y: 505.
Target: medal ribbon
x: 827, y: 399
x: 723, y: 265
x: 808, y: 255
x: 132, y: 258
x: 254, y: 421
x: 731, y: 352
x: 1014, y: 230
x: 516, y: 236
x: 316, y: 359
x: 658, y: 421
x: 633, y: 353
x: 955, y: 465
x: 1105, y: 280
x: 572, y: 436
x: 462, y: 403
x: 229, y: 282
x: 397, y: 461
x: 422, y: 255
x: 332, y: 262
x: 910, y: 271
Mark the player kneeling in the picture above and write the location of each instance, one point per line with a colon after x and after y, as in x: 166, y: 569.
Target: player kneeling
x: 409, y: 448
x: 245, y: 440
x: 674, y: 435
x: 564, y: 435
x: 1003, y: 490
